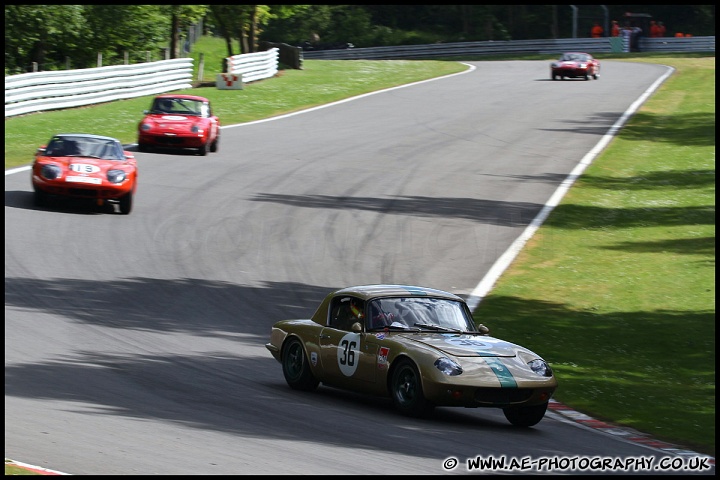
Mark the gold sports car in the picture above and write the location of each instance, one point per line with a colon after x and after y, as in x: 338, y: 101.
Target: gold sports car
x: 418, y: 346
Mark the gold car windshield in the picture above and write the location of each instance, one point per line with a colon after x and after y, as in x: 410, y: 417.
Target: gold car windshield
x: 424, y: 313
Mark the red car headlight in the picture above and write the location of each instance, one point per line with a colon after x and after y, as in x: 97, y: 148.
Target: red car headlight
x: 116, y: 176
x: 50, y: 172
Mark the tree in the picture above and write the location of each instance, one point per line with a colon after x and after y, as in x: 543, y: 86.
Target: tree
x: 115, y: 29
x: 294, y: 24
x: 72, y: 35
x: 182, y: 17
x: 26, y: 44
x: 243, y: 23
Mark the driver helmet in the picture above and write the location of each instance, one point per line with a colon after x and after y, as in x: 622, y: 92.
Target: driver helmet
x: 166, y: 105
x: 356, y: 311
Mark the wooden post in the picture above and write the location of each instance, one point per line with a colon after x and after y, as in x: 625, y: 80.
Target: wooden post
x: 99, y: 59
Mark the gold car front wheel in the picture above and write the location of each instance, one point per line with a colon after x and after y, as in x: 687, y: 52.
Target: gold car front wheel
x: 406, y: 390
x: 525, y: 416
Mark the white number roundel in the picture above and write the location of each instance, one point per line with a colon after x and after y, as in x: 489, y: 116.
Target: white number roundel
x: 348, y: 354
x: 84, y: 168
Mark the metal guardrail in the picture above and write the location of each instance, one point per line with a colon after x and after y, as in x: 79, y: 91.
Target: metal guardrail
x: 678, y: 44
x: 254, y: 66
x: 38, y: 91
x: 515, y: 47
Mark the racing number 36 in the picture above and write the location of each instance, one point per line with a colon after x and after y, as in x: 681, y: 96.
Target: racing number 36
x: 348, y: 352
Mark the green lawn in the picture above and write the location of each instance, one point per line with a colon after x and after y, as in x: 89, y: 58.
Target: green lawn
x: 616, y: 290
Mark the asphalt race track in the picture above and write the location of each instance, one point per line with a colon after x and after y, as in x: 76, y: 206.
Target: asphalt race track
x: 134, y: 344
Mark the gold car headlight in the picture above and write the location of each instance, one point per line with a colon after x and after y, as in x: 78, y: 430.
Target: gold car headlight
x: 448, y: 367
x: 540, y: 367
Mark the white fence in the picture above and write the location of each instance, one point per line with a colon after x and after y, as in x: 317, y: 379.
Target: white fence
x: 38, y: 91
x: 254, y: 66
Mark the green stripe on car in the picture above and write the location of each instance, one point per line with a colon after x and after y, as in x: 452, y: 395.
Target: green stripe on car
x: 501, y: 372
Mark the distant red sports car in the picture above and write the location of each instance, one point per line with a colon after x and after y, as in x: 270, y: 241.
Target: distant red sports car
x: 179, y: 122
x: 80, y: 165
x: 575, y: 65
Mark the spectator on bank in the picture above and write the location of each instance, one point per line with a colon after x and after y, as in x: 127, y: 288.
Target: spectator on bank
x: 631, y: 38
x: 637, y: 32
x: 654, y: 29
x: 596, y: 31
x: 661, y: 29
x: 626, y: 33
x: 615, y: 29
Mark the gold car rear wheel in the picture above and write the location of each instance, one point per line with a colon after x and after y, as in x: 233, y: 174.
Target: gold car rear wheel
x: 296, y: 367
x: 406, y: 390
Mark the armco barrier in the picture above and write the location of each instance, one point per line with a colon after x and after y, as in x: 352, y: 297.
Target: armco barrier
x: 511, y: 47
x: 254, y: 66
x: 38, y: 91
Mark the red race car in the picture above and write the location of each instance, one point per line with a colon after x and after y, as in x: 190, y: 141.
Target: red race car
x: 575, y: 65
x: 179, y: 122
x: 79, y: 165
